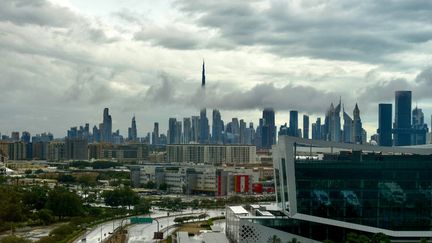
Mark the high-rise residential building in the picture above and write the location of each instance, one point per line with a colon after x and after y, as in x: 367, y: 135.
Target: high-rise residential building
x: 268, y: 130
x: 385, y: 124
x: 132, y: 131
x: 155, y: 134
x: 402, y: 125
x: 106, y: 131
x: 347, y: 128
x: 172, y: 126
x: 76, y: 149
x: 25, y: 137
x: 187, y: 130
x: 419, y: 127
x: 217, y: 127
x: 357, y: 126
x: 293, y: 124
x: 306, y: 126
x: 195, y: 129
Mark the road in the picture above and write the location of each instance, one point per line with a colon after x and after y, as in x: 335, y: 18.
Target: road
x: 102, y: 231
x: 143, y: 233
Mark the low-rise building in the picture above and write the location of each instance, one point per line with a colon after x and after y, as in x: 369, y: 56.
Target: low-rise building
x: 211, y: 154
x: 196, y: 179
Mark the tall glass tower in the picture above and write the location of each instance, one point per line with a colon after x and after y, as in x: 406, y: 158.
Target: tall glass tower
x: 402, y: 124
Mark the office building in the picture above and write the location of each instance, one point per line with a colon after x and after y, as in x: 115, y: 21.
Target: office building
x: 357, y: 127
x: 155, y: 134
x: 385, y: 125
x: 25, y: 137
x: 419, y: 128
x: 106, y: 127
x: 347, y: 128
x: 217, y: 128
x: 316, y: 129
x: 268, y: 129
x: 332, y: 124
x: 132, y: 131
x: 305, y: 126
x: 402, y: 125
x: 204, y: 127
x: 187, y: 130
x: 172, y: 126
x: 195, y: 128
x: 361, y: 193
x: 293, y: 124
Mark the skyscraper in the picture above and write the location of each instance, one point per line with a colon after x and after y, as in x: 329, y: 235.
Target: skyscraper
x: 172, y: 125
x: 242, y: 132
x: 204, y: 127
x: 347, y: 128
x: 155, y: 137
x: 204, y: 124
x: 132, y: 131
x: 357, y: 126
x: 195, y: 128
x: 306, y: 126
x: 332, y: 128
x: 96, y: 134
x: 419, y: 127
x: 187, y: 130
x: 25, y: 137
x: 178, y: 132
x: 106, y: 132
x: 385, y: 124
x: 293, y: 124
x: 268, y: 129
x: 217, y: 127
x: 402, y: 124
x: 316, y: 129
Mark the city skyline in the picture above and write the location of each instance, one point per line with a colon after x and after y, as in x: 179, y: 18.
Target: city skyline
x: 108, y: 52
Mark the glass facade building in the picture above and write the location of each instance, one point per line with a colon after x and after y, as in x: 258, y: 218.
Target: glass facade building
x: 330, y: 189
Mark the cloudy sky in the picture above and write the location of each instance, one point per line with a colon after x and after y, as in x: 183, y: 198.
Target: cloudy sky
x: 63, y: 61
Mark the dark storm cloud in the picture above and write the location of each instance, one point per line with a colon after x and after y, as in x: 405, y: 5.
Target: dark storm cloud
x: 384, y: 90
x: 172, y: 91
x: 366, y: 31
x: 35, y: 12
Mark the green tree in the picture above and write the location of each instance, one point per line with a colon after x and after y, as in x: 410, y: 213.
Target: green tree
x: 14, y: 239
x: 11, y: 209
x: 380, y: 238
x: 120, y: 197
x: 28, y: 172
x: 150, y: 185
x: 163, y: 186
x: 64, y: 203
x: 66, y: 178
x: 35, y: 197
x: 143, y: 207
x: 45, y: 216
